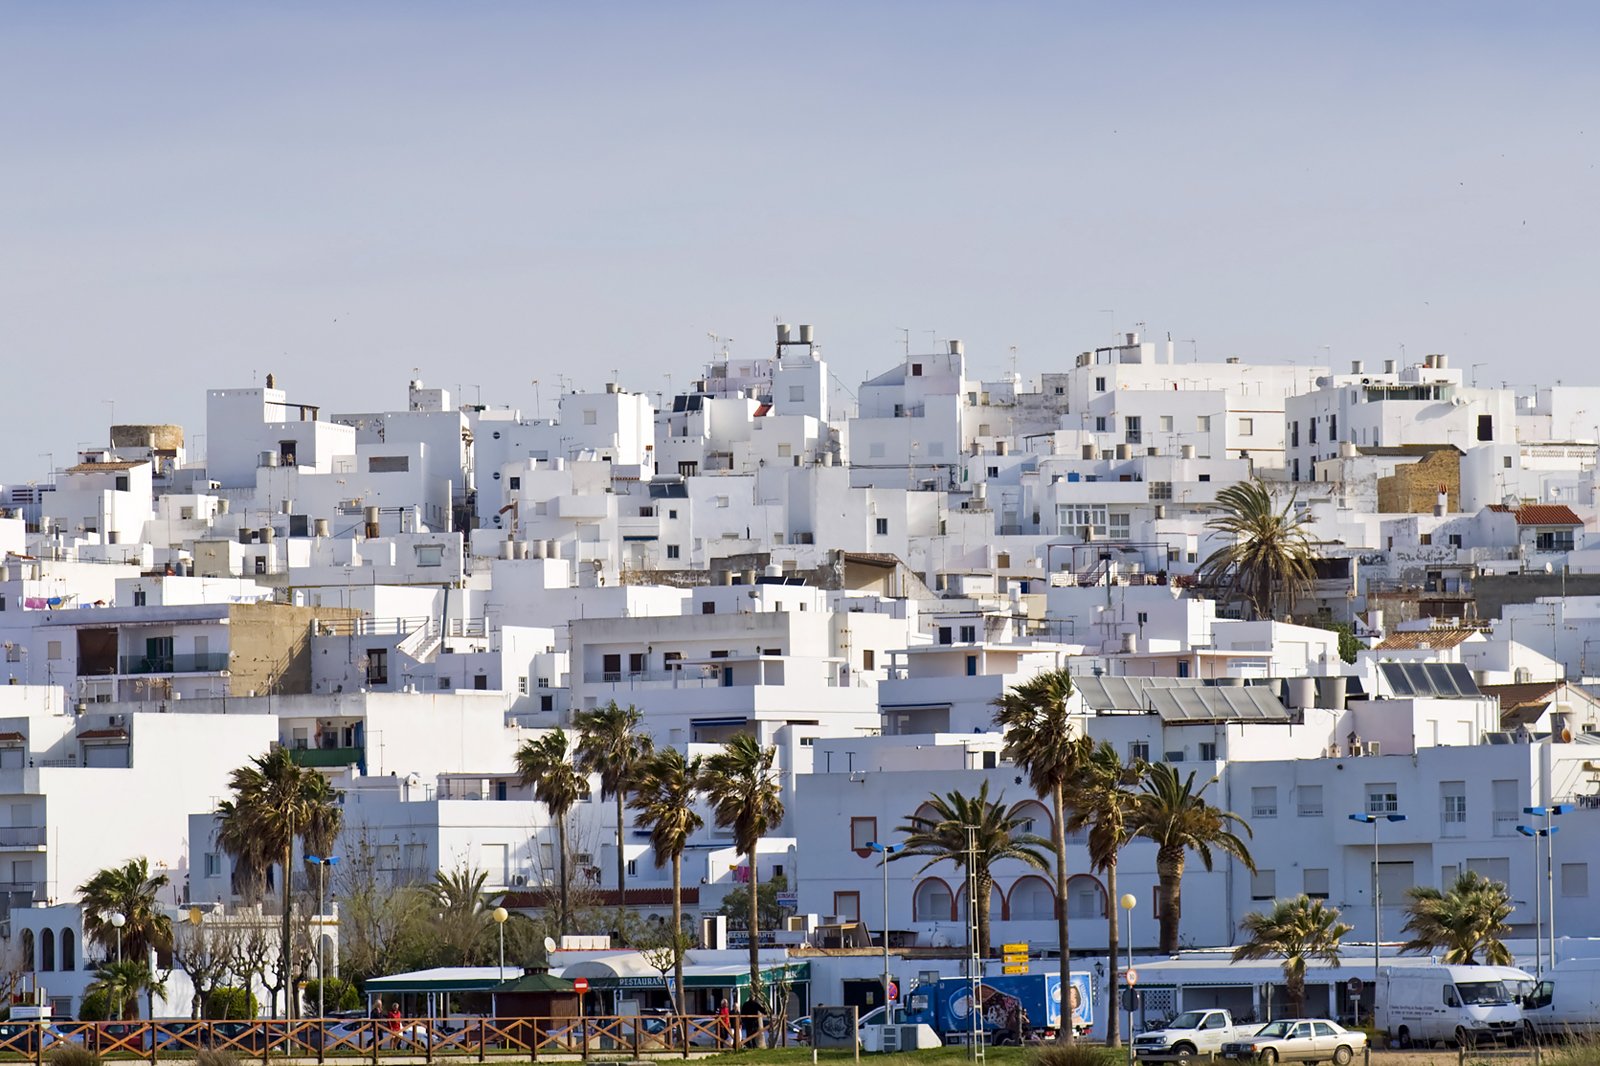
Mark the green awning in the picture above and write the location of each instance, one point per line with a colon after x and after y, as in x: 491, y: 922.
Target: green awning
x: 536, y: 982
x: 442, y: 979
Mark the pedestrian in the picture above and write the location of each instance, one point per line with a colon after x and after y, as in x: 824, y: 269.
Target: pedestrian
x: 724, y: 1022
x: 395, y: 1023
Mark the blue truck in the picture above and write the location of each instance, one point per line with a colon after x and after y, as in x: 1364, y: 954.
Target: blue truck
x: 1013, y: 1007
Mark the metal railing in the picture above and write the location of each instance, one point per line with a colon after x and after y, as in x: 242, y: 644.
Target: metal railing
x: 174, y: 664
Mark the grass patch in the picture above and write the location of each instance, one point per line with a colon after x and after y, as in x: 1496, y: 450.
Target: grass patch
x: 944, y: 1056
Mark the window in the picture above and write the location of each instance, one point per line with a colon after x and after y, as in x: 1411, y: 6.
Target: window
x: 847, y: 906
x: 1315, y: 882
x: 863, y: 831
x: 722, y: 501
x: 388, y: 464
x: 1264, y: 884
x: 547, y: 703
x: 590, y: 418
x: 1495, y: 869
x: 708, y: 607
x: 797, y: 394
x: 972, y: 666
x: 52, y: 649
x: 1118, y: 526
x: 1247, y: 427
x: 1486, y: 427
x: 1264, y: 802
x: 514, y: 483
x: 1138, y: 751
x: 994, y: 471
x: 1507, y: 807
x: 522, y: 685
x: 1099, y: 384
x: 969, y: 634
x: 377, y: 666
x: 138, y: 597
x: 1208, y: 751
x: 672, y: 551
x: 213, y: 864
x: 1554, y: 540
x: 1085, y: 898
x: 916, y: 370
x: 1382, y: 799
x: 1308, y: 801
x: 1166, y: 423
x: 1101, y: 424
x: 430, y: 554
x: 869, y: 658
x: 1294, y: 434
x: 1161, y: 490
x: 1133, y: 430
x: 882, y: 526
x: 1453, y: 808
x: 1575, y: 879
x: 1203, y: 423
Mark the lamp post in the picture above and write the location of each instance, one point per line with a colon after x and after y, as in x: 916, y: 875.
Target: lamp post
x: 118, y: 920
x: 322, y: 862
x: 1376, y: 820
x: 1548, y: 812
x: 1538, y: 901
x: 500, y: 914
x: 886, y: 850
x: 1127, y: 903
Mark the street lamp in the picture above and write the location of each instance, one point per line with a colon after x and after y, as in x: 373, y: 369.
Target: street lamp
x: 118, y: 920
x: 1376, y: 820
x: 1538, y: 899
x: 500, y: 914
x: 322, y: 862
x: 1127, y: 902
x: 886, y: 850
x: 1548, y: 812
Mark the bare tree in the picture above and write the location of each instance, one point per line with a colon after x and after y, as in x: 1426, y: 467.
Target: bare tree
x: 208, y: 953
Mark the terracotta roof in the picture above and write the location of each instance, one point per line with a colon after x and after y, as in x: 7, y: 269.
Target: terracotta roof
x: 1541, y: 514
x: 104, y: 734
x: 603, y: 897
x: 1414, y: 640
x: 763, y: 410
x: 12, y: 738
x: 91, y: 468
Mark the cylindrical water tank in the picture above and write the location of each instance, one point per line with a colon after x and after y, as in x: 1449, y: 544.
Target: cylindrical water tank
x: 783, y: 332
x: 805, y: 333
x: 1303, y: 690
x: 957, y: 348
x: 1088, y: 451
x: 1124, y: 451
x: 320, y: 527
x: 267, y: 534
x: 1187, y: 451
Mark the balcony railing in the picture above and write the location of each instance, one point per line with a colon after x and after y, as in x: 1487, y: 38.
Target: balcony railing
x: 22, y: 836
x: 327, y: 758
x: 174, y: 664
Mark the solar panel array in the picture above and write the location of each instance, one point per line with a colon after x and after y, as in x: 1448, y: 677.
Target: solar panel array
x: 1178, y: 699
x: 1441, y: 680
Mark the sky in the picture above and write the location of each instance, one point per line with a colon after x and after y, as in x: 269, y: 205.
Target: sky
x: 483, y: 195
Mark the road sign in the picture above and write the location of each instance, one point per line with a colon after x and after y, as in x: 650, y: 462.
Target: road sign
x: 1130, y: 977
x: 1015, y: 949
x: 580, y: 984
x: 1014, y: 967
x: 1354, y: 986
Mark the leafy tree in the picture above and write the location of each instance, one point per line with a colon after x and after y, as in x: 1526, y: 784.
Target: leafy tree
x: 338, y: 994
x: 121, y: 983
x: 547, y: 764
x: 611, y: 745
x: 275, y: 804
x: 227, y: 1002
x: 1039, y: 739
x: 1300, y: 930
x: 664, y: 803
x: 745, y: 796
x: 999, y: 836
x: 1175, y: 815
x: 1467, y: 919
x: 1102, y: 795
x: 208, y: 952
x: 736, y: 904
x: 1268, y: 563
x: 461, y: 923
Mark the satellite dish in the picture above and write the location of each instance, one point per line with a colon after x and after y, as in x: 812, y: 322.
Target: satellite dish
x: 549, y: 943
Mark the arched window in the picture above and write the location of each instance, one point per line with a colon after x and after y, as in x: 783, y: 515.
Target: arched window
x: 1038, y: 820
x: 27, y: 949
x: 1086, y: 897
x: 47, y: 949
x: 932, y: 902
x: 926, y: 813
x: 997, y: 903
x: 68, y: 960
x: 1032, y: 899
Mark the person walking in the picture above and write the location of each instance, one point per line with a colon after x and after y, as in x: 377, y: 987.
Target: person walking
x: 724, y: 1023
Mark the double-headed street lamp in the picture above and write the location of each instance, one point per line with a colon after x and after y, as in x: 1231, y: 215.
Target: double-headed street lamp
x: 1548, y: 812
x: 322, y: 862
x: 1377, y: 894
x: 886, y: 850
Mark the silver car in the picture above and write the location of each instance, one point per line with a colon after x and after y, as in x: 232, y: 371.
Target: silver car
x: 1299, y: 1040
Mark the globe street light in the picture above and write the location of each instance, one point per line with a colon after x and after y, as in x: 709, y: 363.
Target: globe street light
x: 118, y: 920
x: 1377, y: 894
x: 322, y: 862
x: 500, y: 914
x: 886, y: 850
x: 1127, y: 902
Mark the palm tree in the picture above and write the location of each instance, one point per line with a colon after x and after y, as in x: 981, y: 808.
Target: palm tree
x: 664, y: 797
x: 1269, y: 562
x: 1039, y: 739
x: 943, y: 837
x: 547, y: 765
x: 275, y: 804
x: 128, y: 890
x: 458, y: 899
x: 746, y: 797
x: 610, y: 744
x: 1468, y: 918
x: 1175, y: 815
x: 1102, y: 797
x: 1300, y: 929
x: 120, y: 985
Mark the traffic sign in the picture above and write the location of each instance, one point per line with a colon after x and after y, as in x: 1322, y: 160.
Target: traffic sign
x: 1014, y: 967
x: 580, y: 984
x: 1130, y: 977
x: 1354, y: 986
x: 1015, y: 949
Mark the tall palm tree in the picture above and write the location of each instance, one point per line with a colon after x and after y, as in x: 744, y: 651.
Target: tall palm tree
x: 1300, y: 929
x: 129, y: 890
x: 664, y: 797
x: 1268, y: 563
x: 121, y: 983
x: 275, y: 804
x: 942, y: 837
x: 610, y: 744
x: 458, y: 900
x: 1468, y: 918
x: 1039, y: 739
x: 1175, y: 815
x: 548, y: 766
x: 745, y: 796
x: 1102, y: 796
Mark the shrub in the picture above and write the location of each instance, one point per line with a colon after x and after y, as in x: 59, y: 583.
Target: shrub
x: 72, y: 1055
x: 213, y: 1057
x: 338, y: 994
x: 92, y: 1008
x: 228, y: 1002
x: 1076, y: 1054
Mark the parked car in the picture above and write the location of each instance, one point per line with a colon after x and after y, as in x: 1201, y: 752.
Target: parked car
x: 1298, y: 1040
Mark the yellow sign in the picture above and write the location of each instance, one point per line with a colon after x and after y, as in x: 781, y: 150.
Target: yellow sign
x: 1015, y: 949
x: 1012, y: 967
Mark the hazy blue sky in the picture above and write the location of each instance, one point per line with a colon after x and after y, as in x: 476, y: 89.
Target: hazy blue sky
x: 193, y: 195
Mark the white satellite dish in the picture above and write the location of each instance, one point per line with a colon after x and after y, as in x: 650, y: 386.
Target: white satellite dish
x: 549, y: 943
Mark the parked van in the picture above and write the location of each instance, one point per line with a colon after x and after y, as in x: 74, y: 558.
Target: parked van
x: 1566, y: 1002
x: 1467, y: 1005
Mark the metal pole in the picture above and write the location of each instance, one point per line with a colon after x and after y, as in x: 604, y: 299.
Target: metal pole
x: 888, y: 1007
x: 1377, y: 920
x: 1127, y: 989
x: 1550, y: 812
x: 322, y: 1006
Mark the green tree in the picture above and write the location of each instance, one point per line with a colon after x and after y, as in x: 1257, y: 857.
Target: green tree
x: 1299, y: 930
x: 1175, y: 815
x: 611, y: 745
x: 129, y: 890
x: 460, y: 916
x: 1466, y: 920
x: 742, y: 787
x: 1039, y: 738
x: 547, y: 764
x: 736, y: 904
x: 664, y: 802
x: 1268, y: 561
x: 119, y: 985
x: 1103, y: 796
x: 943, y: 837
x: 275, y: 804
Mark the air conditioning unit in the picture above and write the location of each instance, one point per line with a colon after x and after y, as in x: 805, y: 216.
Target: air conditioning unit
x: 519, y: 880
x: 117, y: 720
x: 583, y: 858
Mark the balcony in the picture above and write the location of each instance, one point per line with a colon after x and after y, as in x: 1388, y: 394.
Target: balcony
x: 174, y: 664
x: 22, y: 836
x: 327, y: 758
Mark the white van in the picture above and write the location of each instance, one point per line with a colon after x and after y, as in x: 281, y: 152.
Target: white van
x: 1567, y: 1001
x: 1467, y: 1005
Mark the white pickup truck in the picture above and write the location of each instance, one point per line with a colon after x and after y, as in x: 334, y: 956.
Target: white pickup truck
x: 1192, y: 1033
